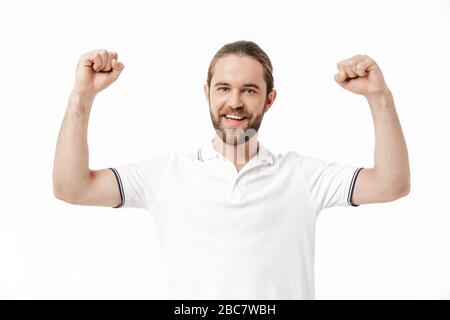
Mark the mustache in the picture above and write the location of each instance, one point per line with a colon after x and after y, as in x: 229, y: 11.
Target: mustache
x: 233, y: 113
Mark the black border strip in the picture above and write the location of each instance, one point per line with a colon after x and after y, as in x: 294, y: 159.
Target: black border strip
x: 352, y: 185
x: 119, y: 182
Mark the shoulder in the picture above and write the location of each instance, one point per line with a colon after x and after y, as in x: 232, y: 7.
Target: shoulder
x: 180, y: 156
x: 308, y: 165
x: 294, y: 158
x: 159, y: 161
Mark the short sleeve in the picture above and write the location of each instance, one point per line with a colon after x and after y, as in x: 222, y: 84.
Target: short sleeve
x: 140, y: 183
x: 329, y: 183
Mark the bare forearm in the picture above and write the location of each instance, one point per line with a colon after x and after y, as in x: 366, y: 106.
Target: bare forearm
x: 391, y: 161
x: 71, y: 164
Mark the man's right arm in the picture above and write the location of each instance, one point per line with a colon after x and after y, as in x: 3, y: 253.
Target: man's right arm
x: 73, y: 181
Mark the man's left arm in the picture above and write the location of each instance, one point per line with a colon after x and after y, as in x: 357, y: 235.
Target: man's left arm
x: 389, y: 179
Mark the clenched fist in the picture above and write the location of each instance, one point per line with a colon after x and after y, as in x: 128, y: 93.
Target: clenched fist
x: 96, y: 70
x: 361, y: 74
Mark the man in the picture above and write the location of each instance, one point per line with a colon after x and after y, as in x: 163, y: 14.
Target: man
x: 234, y: 220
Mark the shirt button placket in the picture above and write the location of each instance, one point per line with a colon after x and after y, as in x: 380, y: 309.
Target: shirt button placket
x: 235, y: 192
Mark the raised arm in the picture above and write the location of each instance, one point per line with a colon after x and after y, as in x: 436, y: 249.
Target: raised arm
x: 73, y: 181
x: 389, y: 179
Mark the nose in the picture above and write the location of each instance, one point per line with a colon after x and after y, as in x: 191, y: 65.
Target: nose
x: 235, y: 100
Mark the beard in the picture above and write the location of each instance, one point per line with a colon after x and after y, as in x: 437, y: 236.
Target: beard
x: 236, y: 135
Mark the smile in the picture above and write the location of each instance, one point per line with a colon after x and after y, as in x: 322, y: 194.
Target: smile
x: 234, y: 120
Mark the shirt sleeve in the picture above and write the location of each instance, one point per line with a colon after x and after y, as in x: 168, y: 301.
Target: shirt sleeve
x: 140, y: 183
x: 329, y: 183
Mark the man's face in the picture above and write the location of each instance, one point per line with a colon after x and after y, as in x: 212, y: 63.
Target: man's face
x: 238, y: 90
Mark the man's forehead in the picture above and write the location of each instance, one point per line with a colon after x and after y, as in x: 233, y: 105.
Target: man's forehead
x: 238, y: 70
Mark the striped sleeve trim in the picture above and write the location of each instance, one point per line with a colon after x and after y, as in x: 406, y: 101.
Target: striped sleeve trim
x: 119, y: 182
x: 352, y: 186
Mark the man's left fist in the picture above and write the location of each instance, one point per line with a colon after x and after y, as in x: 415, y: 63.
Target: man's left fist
x: 361, y: 74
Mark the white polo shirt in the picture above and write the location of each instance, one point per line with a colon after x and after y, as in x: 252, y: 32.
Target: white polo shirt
x: 230, y: 235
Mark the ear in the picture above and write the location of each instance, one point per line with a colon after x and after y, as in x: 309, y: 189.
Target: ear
x: 206, y: 89
x: 270, y: 99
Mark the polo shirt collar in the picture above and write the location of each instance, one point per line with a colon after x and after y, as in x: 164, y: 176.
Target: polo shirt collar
x: 207, y: 152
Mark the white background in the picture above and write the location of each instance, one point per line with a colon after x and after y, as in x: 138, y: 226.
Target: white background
x: 50, y: 249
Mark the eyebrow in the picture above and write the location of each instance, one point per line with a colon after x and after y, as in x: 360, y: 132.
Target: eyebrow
x: 248, y: 85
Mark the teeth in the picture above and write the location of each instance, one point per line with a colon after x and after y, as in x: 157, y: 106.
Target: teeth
x: 234, y: 117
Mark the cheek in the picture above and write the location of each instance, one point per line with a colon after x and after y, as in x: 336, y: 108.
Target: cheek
x: 255, y: 110
x: 217, y: 108
x: 215, y: 112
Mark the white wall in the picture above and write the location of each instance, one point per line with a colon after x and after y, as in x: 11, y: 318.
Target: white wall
x: 50, y: 249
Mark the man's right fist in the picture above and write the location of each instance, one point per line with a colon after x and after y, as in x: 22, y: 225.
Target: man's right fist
x: 96, y: 70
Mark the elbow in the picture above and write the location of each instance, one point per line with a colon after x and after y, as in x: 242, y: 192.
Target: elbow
x: 57, y: 191
x: 405, y: 191
x: 60, y: 195
x: 406, y: 187
x: 63, y: 195
x: 402, y: 190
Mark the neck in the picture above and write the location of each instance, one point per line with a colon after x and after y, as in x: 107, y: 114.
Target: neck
x: 239, y: 154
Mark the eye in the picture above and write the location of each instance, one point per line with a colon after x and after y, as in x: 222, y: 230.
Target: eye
x: 251, y: 90
x: 220, y: 89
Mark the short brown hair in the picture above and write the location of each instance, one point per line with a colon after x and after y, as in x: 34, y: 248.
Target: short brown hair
x: 246, y: 48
